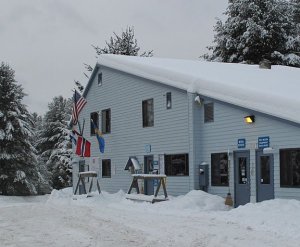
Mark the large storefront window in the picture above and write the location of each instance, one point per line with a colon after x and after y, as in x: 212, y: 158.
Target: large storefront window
x: 290, y: 167
x: 177, y: 165
x: 219, y: 169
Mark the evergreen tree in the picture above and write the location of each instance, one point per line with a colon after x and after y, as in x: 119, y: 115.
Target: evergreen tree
x: 18, y: 173
x: 43, y: 185
x: 124, y: 44
x: 296, y: 4
x: 54, y: 145
x: 257, y: 30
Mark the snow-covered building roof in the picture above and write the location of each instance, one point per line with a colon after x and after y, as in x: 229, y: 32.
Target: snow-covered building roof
x: 273, y: 91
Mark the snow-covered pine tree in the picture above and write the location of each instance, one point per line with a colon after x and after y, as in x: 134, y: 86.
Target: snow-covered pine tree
x: 124, y: 44
x: 296, y: 4
x: 296, y: 39
x: 18, y: 173
x: 43, y: 185
x: 54, y: 143
x: 256, y: 30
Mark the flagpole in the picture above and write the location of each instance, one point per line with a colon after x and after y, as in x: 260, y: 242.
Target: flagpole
x: 78, y: 123
x: 81, y: 133
x: 83, y: 127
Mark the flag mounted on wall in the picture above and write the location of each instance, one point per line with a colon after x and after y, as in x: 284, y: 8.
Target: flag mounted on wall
x: 78, y: 104
x: 73, y: 133
x: 83, y: 147
x: 72, y: 137
x: 99, y: 136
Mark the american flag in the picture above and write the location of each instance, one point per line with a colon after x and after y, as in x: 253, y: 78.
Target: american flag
x: 79, y: 103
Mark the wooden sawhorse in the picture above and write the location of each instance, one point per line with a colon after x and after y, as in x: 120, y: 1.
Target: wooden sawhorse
x: 153, y: 198
x: 82, y: 176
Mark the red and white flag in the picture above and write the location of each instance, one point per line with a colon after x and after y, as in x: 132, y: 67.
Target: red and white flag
x: 83, y: 147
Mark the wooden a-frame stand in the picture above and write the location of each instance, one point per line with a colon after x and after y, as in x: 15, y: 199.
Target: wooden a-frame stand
x: 82, y: 176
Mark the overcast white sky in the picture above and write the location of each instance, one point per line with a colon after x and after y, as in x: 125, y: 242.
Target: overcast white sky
x: 47, y: 41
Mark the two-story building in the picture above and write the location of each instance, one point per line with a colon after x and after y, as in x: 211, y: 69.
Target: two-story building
x: 172, y: 115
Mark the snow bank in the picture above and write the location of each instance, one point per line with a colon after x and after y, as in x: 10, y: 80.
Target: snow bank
x: 260, y: 224
x: 279, y: 215
x: 61, y: 194
x: 194, y: 201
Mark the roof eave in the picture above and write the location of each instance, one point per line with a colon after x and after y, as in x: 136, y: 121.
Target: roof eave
x: 90, y: 81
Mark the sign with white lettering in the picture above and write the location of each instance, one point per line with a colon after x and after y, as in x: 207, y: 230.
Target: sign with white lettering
x: 241, y: 143
x: 263, y: 142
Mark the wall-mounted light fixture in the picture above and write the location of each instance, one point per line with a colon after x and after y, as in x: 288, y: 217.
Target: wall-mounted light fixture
x: 249, y: 119
x: 199, y: 100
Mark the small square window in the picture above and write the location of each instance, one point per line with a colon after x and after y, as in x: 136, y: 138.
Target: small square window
x: 106, y: 169
x: 208, y: 112
x: 169, y: 100
x: 100, y: 79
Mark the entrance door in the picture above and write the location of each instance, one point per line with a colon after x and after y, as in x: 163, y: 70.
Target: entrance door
x: 148, y: 169
x: 242, y: 177
x: 264, y: 176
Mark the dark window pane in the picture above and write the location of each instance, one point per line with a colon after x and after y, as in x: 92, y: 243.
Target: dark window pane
x: 169, y: 100
x: 290, y: 167
x: 208, y: 112
x: 243, y: 176
x: 106, y: 169
x: 106, y: 121
x: 177, y: 165
x: 219, y: 169
x: 95, y: 118
x: 148, y: 113
x: 100, y: 79
x: 81, y: 165
x: 265, y: 169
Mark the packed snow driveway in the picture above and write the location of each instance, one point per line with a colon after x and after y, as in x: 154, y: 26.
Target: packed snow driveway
x: 196, y: 219
x: 35, y: 224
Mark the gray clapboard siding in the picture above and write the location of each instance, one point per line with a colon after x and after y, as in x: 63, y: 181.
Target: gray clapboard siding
x: 123, y: 94
x: 178, y: 130
x: 228, y: 127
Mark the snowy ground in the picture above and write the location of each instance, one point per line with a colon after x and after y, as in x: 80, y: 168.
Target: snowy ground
x: 196, y: 219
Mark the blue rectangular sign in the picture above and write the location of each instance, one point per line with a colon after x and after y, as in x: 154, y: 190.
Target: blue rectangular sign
x: 263, y: 142
x: 241, y: 143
